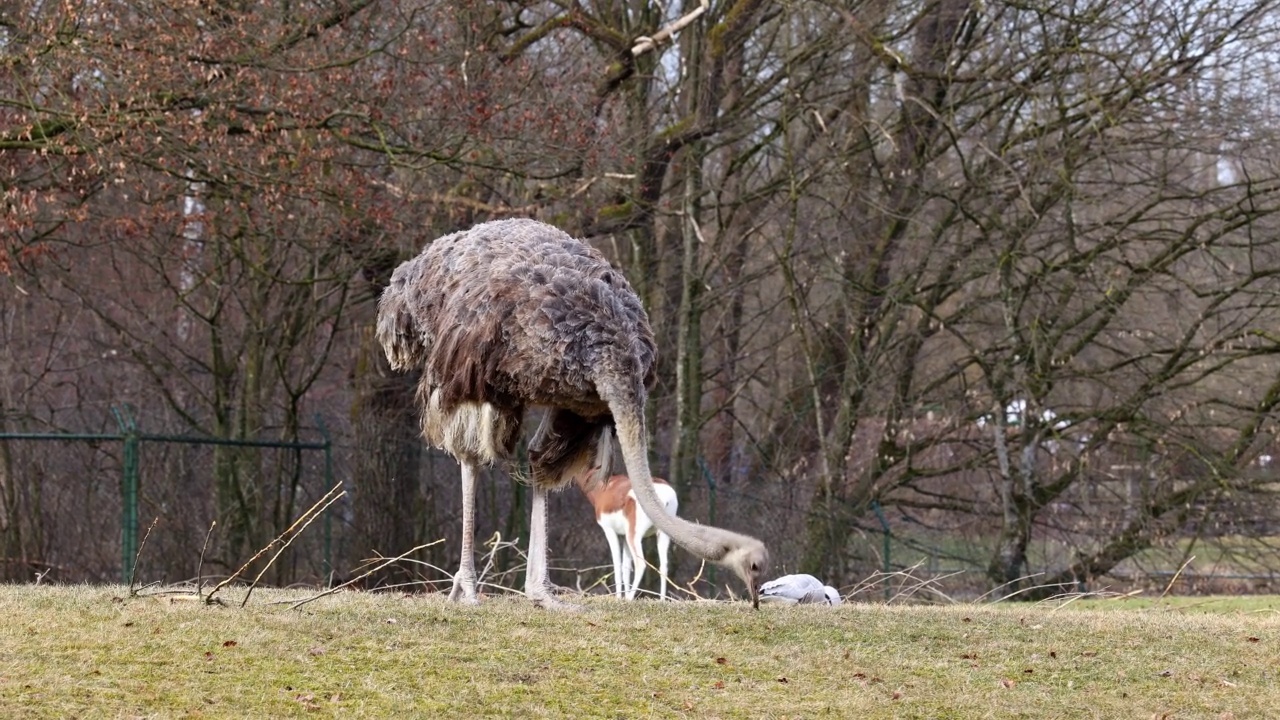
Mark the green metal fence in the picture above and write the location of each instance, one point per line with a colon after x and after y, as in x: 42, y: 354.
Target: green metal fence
x: 131, y: 440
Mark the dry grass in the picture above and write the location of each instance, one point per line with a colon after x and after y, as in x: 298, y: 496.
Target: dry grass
x: 84, y: 652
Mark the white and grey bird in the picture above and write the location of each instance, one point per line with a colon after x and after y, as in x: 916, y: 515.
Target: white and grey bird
x: 799, y: 590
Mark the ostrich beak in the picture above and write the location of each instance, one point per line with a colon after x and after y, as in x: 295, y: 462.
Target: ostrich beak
x: 755, y: 595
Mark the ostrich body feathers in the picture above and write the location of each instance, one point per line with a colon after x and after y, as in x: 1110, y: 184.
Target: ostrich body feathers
x: 510, y: 314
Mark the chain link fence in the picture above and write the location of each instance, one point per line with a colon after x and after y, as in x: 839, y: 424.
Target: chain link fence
x: 84, y: 507
x: 80, y: 506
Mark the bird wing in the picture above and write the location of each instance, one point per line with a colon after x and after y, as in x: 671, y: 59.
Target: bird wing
x: 793, y: 589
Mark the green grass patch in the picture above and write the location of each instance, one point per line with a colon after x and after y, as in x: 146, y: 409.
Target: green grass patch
x: 84, y: 652
x: 1183, y: 603
x: 1222, y: 556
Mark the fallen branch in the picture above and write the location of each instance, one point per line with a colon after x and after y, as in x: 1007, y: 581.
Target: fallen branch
x: 364, y: 575
x: 137, y: 557
x: 289, y: 532
x: 200, y: 567
x: 286, y: 544
x: 1175, y: 577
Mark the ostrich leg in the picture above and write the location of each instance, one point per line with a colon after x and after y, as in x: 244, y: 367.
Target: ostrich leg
x: 464, y: 582
x: 536, y: 585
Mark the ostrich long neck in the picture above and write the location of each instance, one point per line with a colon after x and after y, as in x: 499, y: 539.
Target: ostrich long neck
x: 708, y: 543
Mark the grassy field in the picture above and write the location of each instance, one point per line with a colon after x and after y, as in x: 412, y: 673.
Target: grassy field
x: 86, y: 652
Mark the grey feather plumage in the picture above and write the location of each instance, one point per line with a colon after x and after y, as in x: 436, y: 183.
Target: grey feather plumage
x: 514, y: 313
x: 799, y: 590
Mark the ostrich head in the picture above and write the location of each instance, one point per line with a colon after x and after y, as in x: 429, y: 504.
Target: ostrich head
x: 748, y: 558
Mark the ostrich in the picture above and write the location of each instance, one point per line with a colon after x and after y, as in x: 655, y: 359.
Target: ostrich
x: 515, y: 314
x: 799, y: 589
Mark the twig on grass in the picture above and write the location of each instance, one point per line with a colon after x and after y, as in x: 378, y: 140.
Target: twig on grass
x: 314, y: 514
x: 289, y: 532
x: 200, y: 567
x: 689, y: 586
x: 494, y: 544
x: 1175, y: 577
x: 1065, y: 599
x: 137, y: 557
x: 362, y: 576
x: 908, y: 586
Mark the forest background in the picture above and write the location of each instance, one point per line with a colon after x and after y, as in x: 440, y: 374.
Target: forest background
x: 995, y: 282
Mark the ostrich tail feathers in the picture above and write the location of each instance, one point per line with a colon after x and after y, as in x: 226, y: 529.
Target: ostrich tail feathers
x: 604, y: 453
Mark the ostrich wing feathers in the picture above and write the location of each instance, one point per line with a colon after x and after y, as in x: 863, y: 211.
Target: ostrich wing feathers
x: 515, y: 309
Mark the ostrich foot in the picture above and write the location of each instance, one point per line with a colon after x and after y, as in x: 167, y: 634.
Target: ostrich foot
x: 544, y: 596
x: 464, y: 590
x: 547, y: 601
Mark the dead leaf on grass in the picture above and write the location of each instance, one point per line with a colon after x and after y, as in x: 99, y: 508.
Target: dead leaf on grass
x: 721, y: 661
x: 969, y: 656
x: 1053, y: 654
x: 208, y: 655
x: 897, y: 695
x: 783, y: 679
x: 229, y: 644
x: 317, y: 650
x: 1253, y: 639
x: 719, y: 685
x: 1008, y: 683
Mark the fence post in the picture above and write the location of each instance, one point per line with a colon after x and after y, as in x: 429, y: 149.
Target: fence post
x: 328, y: 486
x: 128, y: 492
